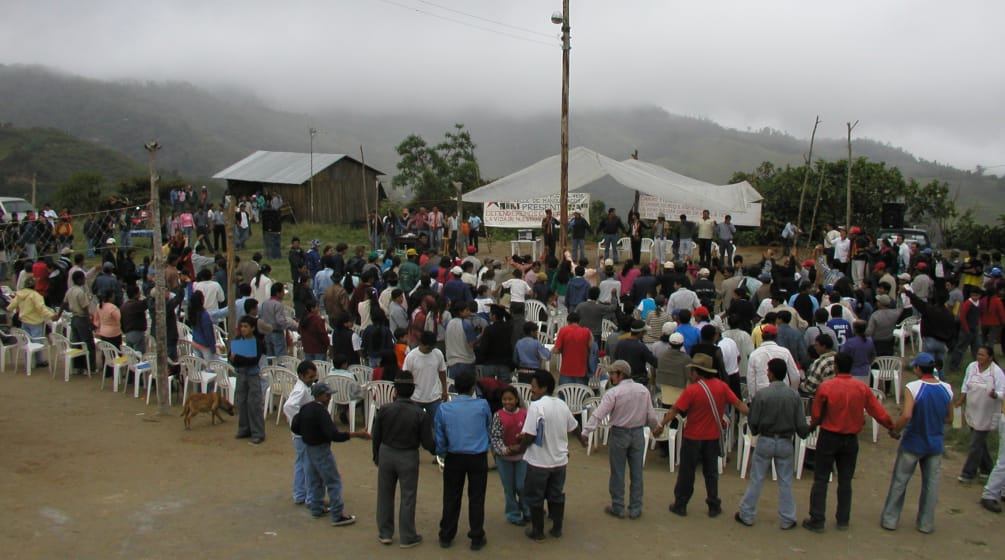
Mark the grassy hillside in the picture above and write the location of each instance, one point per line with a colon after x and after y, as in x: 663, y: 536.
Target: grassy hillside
x: 54, y: 156
x: 202, y: 133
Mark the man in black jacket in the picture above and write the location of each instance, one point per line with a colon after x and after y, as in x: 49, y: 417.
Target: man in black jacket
x: 314, y: 424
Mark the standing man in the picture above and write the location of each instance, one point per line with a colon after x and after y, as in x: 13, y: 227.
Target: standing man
x: 629, y: 408
x: 636, y: 354
x: 435, y: 220
x: 661, y: 232
x: 839, y: 409
x: 314, y: 424
x: 726, y: 231
x: 549, y: 227
x: 609, y: 228
x: 685, y: 238
x: 926, y: 411
x: 706, y: 230
x: 474, y: 229
x: 399, y: 429
x: 704, y: 401
x: 790, y: 236
x: 574, y: 343
x: 578, y: 226
x: 430, y: 371
x: 307, y: 375
x: 544, y: 442
x: 776, y: 415
x: 462, y: 438
x: 757, y: 362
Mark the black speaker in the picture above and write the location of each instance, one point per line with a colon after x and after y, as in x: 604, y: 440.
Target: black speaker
x: 893, y: 214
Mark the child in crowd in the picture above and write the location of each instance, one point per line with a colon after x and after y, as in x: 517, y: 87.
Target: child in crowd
x: 506, y: 425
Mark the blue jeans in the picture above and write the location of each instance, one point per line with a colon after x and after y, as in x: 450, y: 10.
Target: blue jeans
x: 611, y: 244
x: 300, y: 482
x: 781, y: 451
x: 512, y: 475
x: 626, y: 445
x: 996, y: 481
x: 90, y: 247
x: 457, y: 369
x: 322, y: 473
x: 316, y: 357
x: 903, y: 470
x: 275, y: 343
x: 578, y: 249
x: 502, y: 373
x: 241, y: 236
x: 563, y: 379
x: 938, y: 350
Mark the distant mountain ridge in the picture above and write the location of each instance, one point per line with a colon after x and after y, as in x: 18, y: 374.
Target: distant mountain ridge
x: 203, y: 132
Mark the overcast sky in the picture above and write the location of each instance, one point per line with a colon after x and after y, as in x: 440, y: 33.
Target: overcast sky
x: 926, y: 75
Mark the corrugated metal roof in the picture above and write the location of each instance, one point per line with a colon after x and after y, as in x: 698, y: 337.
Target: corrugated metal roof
x: 287, y: 168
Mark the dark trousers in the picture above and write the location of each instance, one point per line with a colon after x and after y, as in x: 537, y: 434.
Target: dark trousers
x: 692, y: 453
x: 840, y: 450
x: 549, y: 243
x: 705, y: 251
x: 81, y: 330
x: 978, y: 457
x: 220, y: 237
x: 636, y: 246
x: 456, y: 468
x: 397, y: 467
x: 544, y: 484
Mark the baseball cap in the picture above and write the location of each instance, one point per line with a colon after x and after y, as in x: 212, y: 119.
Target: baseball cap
x: 923, y: 359
x: 668, y: 328
x: 638, y: 326
x: 884, y: 299
x: 703, y: 272
x: 471, y: 249
x: 608, y: 262
x: 769, y: 329
x: 676, y: 339
x: 110, y: 241
x: 456, y: 271
x: 320, y: 389
x: 921, y: 266
x: 808, y: 263
x: 701, y: 310
x: 668, y: 265
x: 904, y: 276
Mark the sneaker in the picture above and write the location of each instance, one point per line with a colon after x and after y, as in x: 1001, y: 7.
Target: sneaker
x: 738, y: 519
x: 384, y: 540
x: 680, y: 510
x: 964, y: 479
x: 634, y: 514
x: 411, y: 544
x: 344, y: 520
x: 610, y: 511
x: 478, y: 544
x: 790, y: 526
x: 991, y: 505
x: 810, y: 525
x: 257, y: 441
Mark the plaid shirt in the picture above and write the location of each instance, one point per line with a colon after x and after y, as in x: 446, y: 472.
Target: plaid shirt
x: 822, y: 368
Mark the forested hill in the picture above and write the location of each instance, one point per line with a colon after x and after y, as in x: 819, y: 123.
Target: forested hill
x: 203, y: 132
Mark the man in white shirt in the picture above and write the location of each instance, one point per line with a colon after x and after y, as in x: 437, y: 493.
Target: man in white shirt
x: 518, y: 290
x: 307, y: 374
x: 682, y: 298
x: 544, y: 442
x: 842, y: 250
x: 429, y: 370
x: 610, y: 286
x: 211, y: 290
x: 757, y: 363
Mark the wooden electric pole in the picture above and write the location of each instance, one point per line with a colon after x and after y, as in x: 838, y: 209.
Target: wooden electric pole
x: 806, y: 176
x: 847, y: 224
x: 564, y: 190
x: 160, y: 283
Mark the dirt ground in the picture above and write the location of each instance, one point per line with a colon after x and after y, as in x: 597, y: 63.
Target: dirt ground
x: 86, y: 474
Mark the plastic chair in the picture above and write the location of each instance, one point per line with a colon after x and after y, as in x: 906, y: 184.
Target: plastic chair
x: 887, y: 368
x: 151, y: 379
x: 380, y: 393
x: 280, y: 385
x: 647, y: 246
x: 535, y: 311
x: 286, y: 362
x: 748, y: 446
x: 363, y: 374
x: 801, y: 446
x: 574, y: 395
x: 185, y: 347
x: 904, y: 331
x: 194, y: 371
x: 184, y: 332
x: 523, y: 389
x: 3, y: 350
x: 669, y: 435
x: 27, y: 346
x: 61, y: 347
x: 607, y: 327
x: 342, y: 388
x: 225, y: 380
x: 589, y: 407
x: 324, y: 367
x: 881, y: 396
x: 114, y: 359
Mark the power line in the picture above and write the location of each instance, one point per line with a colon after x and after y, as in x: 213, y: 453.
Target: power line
x: 466, y: 24
x: 523, y: 29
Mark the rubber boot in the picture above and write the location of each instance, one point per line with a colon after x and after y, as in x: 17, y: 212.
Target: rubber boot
x: 536, y: 530
x: 557, y: 518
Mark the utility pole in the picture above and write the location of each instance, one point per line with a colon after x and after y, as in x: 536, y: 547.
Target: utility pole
x: 847, y: 224
x: 312, y: 131
x: 366, y: 201
x: 34, y: 190
x: 806, y: 176
x: 160, y: 282
x: 564, y: 190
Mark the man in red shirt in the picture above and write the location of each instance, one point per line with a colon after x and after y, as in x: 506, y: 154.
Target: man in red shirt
x: 574, y: 343
x: 839, y: 410
x: 704, y: 401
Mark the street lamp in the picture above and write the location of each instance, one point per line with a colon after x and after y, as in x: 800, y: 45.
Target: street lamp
x: 563, y: 20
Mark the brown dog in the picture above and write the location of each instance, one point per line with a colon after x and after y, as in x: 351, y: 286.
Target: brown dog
x: 206, y: 402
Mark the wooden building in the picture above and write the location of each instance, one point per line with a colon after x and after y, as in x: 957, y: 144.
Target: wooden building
x: 342, y: 190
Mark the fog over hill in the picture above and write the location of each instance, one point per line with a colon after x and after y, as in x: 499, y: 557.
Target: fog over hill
x: 205, y: 130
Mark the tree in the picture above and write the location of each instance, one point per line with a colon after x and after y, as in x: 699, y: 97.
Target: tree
x: 430, y: 171
x: 82, y: 192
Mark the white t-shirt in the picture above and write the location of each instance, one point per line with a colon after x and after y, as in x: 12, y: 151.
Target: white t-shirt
x: 549, y: 419
x: 842, y: 250
x: 730, y: 355
x: 212, y: 292
x: 426, y: 370
x: 456, y: 343
x: 518, y: 290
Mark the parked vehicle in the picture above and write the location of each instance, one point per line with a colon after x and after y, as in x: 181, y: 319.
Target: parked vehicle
x: 10, y: 205
x: 919, y: 236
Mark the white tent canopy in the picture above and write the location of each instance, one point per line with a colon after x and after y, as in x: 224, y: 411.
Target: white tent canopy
x: 586, y: 167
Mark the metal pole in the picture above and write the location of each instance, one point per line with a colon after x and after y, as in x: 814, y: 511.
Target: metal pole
x: 160, y: 282
x: 564, y: 190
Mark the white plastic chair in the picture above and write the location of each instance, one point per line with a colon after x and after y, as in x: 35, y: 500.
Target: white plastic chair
x: 905, y: 331
x: 523, y: 390
x: 887, y: 368
x: 647, y: 247
x: 881, y: 396
x: 342, y: 388
x: 748, y: 446
x: 589, y: 407
x: 535, y: 311
x: 185, y: 347
x: 380, y: 393
x: 114, y: 359
x: 669, y: 435
x: 281, y: 385
x: 3, y: 351
x: 194, y: 372
x: 574, y: 395
x: 27, y: 346
x: 607, y: 327
x: 226, y: 378
x: 151, y: 379
x: 287, y: 362
x: 810, y: 442
x: 324, y: 367
x: 61, y: 347
x: 184, y: 332
x: 363, y: 374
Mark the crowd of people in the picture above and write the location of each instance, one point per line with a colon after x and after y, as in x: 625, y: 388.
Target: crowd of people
x: 789, y: 341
